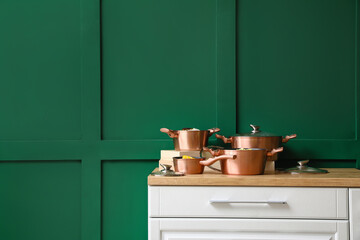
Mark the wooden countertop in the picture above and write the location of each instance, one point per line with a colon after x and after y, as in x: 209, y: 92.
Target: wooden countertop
x: 337, y: 177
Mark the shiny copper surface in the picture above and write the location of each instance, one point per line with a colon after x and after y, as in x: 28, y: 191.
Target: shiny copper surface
x: 241, y: 162
x: 188, y: 166
x: 268, y: 143
x: 185, y: 140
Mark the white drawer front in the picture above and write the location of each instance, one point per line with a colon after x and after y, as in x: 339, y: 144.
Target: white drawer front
x: 248, y: 202
x: 245, y: 229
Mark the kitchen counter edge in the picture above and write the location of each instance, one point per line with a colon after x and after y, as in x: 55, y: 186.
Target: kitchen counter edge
x: 337, y: 177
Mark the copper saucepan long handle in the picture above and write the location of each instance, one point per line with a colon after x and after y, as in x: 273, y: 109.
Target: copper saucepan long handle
x: 274, y: 151
x: 225, y: 139
x: 215, y: 159
x: 171, y: 133
x: 213, y: 130
x: 287, y: 138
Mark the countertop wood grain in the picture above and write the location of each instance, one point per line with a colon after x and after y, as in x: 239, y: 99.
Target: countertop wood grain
x: 337, y: 177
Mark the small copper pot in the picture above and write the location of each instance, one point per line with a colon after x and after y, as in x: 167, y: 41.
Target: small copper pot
x: 257, y: 139
x: 188, y: 166
x: 249, y: 161
x: 190, y: 140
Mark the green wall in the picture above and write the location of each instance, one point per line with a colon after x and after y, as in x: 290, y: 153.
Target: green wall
x: 297, y: 72
x: 87, y: 84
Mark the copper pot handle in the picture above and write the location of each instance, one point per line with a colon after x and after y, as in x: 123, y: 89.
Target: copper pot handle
x: 211, y: 161
x: 287, y: 138
x: 212, y: 152
x: 225, y: 139
x: 213, y: 130
x: 274, y: 151
x: 171, y: 133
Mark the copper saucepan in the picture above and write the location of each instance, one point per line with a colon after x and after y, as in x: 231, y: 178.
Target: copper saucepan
x: 189, y: 139
x: 246, y: 161
x: 188, y: 166
x: 257, y: 139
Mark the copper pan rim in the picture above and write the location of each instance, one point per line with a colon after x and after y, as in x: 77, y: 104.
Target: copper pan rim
x: 245, y: 149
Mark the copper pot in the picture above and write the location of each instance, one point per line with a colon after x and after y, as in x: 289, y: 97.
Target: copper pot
x: 247, y: 161
x: 188, y: 139
x: 188, y: 166
x: 257, y: 139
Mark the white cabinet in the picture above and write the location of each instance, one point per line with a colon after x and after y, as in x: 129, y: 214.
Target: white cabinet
x: 252, y: 213
x: 354, y: 207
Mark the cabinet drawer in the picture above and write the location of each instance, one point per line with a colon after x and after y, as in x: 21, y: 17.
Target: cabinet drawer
x: 248, y: 202
x: 245, y: 229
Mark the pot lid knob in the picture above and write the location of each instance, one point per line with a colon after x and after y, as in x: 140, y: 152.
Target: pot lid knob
x: 255, y: 128
x: 166, y: 167
x: 167, y: 172
x: 303, y: 162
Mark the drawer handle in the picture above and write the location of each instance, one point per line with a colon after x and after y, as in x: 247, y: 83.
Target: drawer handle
x: 256, y: 202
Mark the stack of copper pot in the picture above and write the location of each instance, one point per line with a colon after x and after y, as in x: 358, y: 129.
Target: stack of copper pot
x: 247, y: 156
x: 189, y: 139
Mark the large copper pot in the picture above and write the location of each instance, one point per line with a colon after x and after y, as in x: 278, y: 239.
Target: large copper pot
x: 246, y: 161
x: 257, y: 139
x: 188, y: 139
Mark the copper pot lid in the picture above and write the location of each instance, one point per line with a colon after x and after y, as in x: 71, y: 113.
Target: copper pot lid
x: 256, y: 132
x: 304, y: 168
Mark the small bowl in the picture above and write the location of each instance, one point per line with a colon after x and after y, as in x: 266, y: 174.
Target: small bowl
x: 188, y: 166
